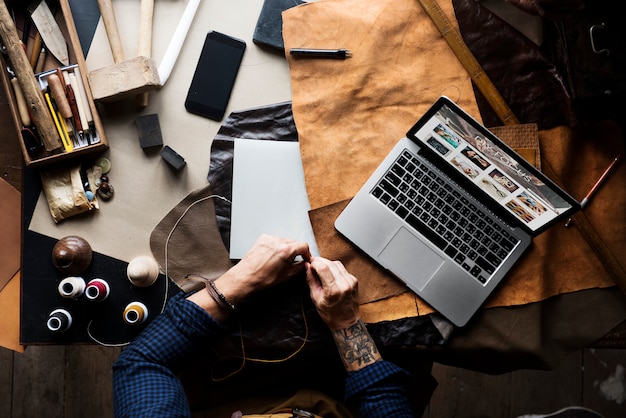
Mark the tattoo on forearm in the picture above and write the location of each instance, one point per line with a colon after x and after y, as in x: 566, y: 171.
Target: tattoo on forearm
x: 356, y: 346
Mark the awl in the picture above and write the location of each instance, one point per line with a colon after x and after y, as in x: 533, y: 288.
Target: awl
x: 49, y: 30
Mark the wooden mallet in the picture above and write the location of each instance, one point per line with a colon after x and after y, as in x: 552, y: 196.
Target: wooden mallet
x: 126, y: 77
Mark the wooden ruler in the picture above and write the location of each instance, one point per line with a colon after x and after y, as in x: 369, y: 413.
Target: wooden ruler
x: 492, y: 95
x: 469, y: 62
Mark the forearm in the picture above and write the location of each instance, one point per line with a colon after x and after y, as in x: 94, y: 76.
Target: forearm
x: 144, y: 375
x: 380, y: 390
x: 356, y: 346
x: 377, y: 387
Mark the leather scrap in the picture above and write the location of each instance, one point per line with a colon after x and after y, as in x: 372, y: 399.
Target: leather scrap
x: 187, y: 241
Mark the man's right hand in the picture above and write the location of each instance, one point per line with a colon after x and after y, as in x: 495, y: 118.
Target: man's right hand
x: 334, y: 292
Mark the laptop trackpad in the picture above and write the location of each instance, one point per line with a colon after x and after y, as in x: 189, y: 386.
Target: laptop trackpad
x: 413, y: 260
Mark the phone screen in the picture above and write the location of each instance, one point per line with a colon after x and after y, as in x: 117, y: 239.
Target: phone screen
x: 215, y: 75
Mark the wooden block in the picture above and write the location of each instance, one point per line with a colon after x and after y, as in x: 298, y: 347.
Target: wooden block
x: 172, y: 158
x: 149, y: 131
x: 128, y: 78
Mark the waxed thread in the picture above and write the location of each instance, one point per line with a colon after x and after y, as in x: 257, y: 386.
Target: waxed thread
x: 243, y: 356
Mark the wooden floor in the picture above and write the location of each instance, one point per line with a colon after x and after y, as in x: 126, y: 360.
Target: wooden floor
x: 75, y: 381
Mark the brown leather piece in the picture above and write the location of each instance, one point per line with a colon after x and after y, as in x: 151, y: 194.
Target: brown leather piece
x: 549, y: 8
x: 187, y: 241
x: 350, y: 112
x: 10, y: 231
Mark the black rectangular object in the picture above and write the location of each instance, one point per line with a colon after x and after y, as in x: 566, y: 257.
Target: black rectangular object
x: 149, y: 131
x: 172, y: 158
x: 215, y: 75
x: 269, y: 27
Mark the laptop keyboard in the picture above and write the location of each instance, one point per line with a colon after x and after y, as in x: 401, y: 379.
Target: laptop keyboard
x: 428, y: 202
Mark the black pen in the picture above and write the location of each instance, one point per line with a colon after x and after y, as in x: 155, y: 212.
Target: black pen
x: 320, y: 53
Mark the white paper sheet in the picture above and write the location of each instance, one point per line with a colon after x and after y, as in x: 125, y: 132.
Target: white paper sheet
x: 269, y: 195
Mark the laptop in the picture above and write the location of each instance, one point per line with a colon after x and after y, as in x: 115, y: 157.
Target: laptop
x: 451, y: 209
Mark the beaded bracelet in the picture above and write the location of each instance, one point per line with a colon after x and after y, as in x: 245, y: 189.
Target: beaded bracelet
x: 219, y: 297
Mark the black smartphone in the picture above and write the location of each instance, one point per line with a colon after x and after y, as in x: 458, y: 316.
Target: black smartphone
x: 215, y: 75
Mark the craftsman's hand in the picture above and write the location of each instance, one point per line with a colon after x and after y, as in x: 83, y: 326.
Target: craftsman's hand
x: 334, y: 292
x: 270, y: 261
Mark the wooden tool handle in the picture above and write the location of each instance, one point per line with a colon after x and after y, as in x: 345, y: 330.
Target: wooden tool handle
x: 145, y: 40
x: 110, y: 24
x: 22, y: 108
x: 145, y: 28
x: 24, y: 73
x: 58, y: 92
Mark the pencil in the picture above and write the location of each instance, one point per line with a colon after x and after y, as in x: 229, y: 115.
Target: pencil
x: 58, y: 122
x: 596, y: 185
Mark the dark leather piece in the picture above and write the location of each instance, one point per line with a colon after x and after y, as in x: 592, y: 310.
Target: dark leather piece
x: 529, y: 82
x: 281, y: 308
x: 549, y: 8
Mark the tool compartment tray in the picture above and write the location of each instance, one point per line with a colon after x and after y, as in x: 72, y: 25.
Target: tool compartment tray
x: 93, y: 139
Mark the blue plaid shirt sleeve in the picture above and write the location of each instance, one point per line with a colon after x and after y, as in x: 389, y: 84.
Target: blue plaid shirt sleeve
x: 144, y: 375
x: 379, y: 390
x: 145, y: 382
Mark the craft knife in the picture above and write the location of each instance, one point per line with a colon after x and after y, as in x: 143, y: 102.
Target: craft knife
x: 49, y: 30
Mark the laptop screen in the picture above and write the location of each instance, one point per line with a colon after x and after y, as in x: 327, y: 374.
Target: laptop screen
x: 479, y: 156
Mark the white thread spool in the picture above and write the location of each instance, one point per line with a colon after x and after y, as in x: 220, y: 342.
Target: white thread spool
x: 59, y: 320
x: 142, y: 271
x: 135, y: 313
x: 97, y: 290
x: 72, y: 287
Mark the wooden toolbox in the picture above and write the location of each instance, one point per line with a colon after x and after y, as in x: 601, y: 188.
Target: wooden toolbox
x: 48, y: 132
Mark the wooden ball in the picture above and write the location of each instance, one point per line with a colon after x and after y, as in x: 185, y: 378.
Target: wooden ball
x: 71, y: 255
x: 143, y: 270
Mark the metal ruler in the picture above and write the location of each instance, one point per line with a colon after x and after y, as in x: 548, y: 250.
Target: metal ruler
x: 492, y: 95
x: 469, y: 62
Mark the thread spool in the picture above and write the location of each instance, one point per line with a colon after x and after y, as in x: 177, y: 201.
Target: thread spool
x: 135, y: 313
x: 72, y: 287
x: 59, y: 320
x: 142, y: 271
x: 97, y: 290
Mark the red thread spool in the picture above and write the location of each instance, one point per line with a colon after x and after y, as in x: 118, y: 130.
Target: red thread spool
x: 97, y: 290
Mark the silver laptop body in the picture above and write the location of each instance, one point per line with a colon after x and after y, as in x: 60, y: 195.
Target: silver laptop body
x: 450, y: 210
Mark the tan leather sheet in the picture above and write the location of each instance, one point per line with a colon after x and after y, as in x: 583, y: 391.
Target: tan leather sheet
x: 349, y: 113
x: 10, y: 250
x: 10, y: 232
x: 10, y: 315
x: 559, y: 261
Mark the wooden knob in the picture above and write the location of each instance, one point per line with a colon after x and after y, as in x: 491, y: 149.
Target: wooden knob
x: 71, y: 255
